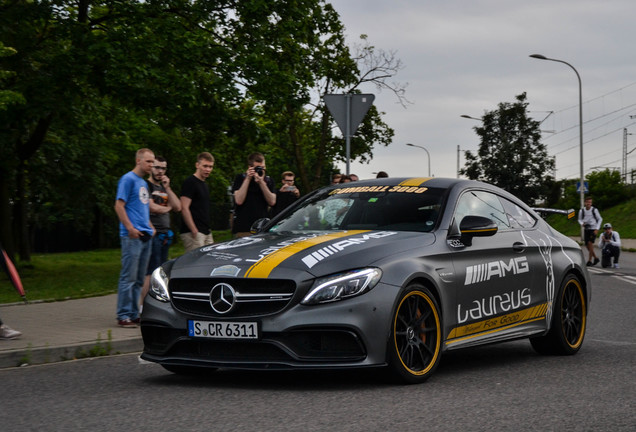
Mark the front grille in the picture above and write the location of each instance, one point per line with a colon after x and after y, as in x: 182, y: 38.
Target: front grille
x: 254, y: 297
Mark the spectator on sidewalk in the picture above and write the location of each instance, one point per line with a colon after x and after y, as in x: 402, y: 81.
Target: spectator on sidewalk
x: 590, y: 219
x: 195, y: 205
x: 132, y: 205
x: 162, y: 201
x: 7, y: 332
x: 610, y: 245
x: 253, y: 194
x: 286, y: 195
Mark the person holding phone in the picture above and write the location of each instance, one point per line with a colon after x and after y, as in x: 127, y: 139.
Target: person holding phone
x: 132, y: 205
x: 287, y: 194
x: 163, y: 200
x: 253, y: 193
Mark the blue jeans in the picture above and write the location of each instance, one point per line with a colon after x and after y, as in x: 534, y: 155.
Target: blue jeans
x: 158, y: 254
x: 134, y: 262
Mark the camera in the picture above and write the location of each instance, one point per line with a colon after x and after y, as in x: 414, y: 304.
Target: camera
x: 607, y: 235
x: 259, y: 170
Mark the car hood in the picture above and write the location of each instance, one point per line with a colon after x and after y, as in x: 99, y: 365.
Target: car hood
x: 296, y: 256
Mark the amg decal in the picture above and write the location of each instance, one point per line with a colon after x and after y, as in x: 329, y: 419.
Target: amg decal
x: 483, y: 272
x: 494, y: 305
x: 270, y: 250
x: 315, y: 257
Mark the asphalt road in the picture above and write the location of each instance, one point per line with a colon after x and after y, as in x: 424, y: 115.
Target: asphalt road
x: 499, y: 387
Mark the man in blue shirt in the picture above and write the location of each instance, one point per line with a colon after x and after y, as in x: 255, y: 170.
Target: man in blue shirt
x: 135, y: 231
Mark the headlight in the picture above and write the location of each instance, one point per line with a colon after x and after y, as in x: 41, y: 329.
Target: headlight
x: 341, y: 286
x: 159, y: 285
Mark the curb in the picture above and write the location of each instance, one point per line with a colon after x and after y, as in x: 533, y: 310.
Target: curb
x: 44, y: 355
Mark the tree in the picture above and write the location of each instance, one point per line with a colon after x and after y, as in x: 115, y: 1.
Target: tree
x: 91, y: 81
x: 510, y: 154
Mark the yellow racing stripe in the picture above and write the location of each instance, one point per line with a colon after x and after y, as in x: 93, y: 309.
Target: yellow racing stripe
x: 416, y: 181
x: 264, y: 267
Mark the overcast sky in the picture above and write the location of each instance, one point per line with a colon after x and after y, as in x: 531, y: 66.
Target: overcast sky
x: 465, y: 57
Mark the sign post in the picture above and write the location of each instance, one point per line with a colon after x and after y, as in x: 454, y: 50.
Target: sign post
x: 348, y: 110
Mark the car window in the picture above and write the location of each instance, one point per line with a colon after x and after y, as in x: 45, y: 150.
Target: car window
x: 503, y: 212
x: 518, y: 218
x: 384, y: 208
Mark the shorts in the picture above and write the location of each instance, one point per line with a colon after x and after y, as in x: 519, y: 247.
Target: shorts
x: 589, y: 236
x: 190, y: 243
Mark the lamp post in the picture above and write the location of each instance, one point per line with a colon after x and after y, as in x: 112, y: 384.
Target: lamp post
x: 582, y: 173
x: 427, y: 153
x: 458, y: 150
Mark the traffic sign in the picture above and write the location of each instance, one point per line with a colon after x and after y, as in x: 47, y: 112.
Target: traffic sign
x: 585, y: 187
x: 351, y: 116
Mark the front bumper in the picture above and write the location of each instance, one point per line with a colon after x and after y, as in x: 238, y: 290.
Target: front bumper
x: 348, y: 333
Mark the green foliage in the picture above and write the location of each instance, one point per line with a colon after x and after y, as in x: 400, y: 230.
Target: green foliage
x: 85, y: 84
x: 510, y: 154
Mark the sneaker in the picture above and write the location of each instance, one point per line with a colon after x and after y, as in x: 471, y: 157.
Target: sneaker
x: 126, y: 323
x: 137, y: 320
x: 596, y: 260
x: 589, y: 264
x: 7, y: 332
x: 616, y: 265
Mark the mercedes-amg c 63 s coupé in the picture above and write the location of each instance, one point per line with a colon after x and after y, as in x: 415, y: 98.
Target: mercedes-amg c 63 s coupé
x: 386, y: 273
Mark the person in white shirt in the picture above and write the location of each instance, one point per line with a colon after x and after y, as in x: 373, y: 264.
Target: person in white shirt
x: 610, y: 245
x: 590, y: 219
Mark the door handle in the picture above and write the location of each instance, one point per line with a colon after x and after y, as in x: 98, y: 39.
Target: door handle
x: 518, y: 247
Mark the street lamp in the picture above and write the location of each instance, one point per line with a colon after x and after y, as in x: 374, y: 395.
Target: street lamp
x: 458, y: 150
x: 582, y: 174
x: 427, y: 153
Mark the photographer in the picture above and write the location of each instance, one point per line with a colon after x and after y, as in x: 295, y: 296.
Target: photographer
x: 286, y: 195
x: 253, y: 194
x: 591, y: 220
x: 610, y: 245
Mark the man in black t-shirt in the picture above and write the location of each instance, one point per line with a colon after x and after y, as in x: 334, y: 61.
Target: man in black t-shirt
x: 253, y: 194
x: 195, y: 205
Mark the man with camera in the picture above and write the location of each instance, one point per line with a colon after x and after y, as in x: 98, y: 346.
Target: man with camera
x: 286, y: 195
x: 610, y: 245
x: 590, y: 219
x: 253, y: 193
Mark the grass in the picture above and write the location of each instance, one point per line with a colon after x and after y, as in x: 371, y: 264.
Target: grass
x: 72, y: 275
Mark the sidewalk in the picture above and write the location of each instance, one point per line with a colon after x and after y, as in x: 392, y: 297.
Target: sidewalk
x: 65, y: 330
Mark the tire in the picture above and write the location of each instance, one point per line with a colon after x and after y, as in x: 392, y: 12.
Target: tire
x: 414, y: 347
x: 569, y: 320
x: 188, y: 370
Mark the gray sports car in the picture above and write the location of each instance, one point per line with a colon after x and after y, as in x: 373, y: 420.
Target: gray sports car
x: 379, y: 273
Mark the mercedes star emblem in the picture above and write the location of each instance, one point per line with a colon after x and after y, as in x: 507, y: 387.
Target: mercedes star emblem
x: 222, y: 298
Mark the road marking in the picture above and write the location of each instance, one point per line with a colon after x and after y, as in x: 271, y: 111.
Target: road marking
x: 613, y: 273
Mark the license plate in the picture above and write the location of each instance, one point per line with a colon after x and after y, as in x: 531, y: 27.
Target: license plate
x: 223, y: 329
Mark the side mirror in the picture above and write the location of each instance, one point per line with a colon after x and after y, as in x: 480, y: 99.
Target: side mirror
x: 476, y: 226
x: 258, y: 225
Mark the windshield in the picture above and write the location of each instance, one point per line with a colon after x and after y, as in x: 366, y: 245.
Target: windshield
x: 382, y: 208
